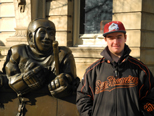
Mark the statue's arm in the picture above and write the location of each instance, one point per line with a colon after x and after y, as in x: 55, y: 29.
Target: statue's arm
x: 14, y: 76
x: 32, y: 78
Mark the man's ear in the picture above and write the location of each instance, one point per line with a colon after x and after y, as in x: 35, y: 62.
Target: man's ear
x: 105, y: 38
x: 125, y: 37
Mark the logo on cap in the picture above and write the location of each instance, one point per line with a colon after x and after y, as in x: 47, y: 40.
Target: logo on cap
x: 113, y: 26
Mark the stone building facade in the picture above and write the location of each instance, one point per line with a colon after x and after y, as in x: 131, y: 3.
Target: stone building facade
x: 137, y: 16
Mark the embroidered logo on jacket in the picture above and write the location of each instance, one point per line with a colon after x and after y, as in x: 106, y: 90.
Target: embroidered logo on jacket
x: 114, y: 83
x: 149, y: 107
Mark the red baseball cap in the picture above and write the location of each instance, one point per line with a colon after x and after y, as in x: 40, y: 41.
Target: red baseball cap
x: 114, y: 26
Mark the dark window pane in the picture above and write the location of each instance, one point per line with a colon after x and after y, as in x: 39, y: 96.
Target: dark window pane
x: 93, y: 14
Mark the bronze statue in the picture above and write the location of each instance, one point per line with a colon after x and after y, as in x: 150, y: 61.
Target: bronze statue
x: 39, y: 65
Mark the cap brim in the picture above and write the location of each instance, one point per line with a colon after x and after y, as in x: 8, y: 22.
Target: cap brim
x: 114, y: 32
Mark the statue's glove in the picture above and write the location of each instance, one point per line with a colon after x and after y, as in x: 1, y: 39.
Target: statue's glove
x: 60, y: 86
x: 35, y: 75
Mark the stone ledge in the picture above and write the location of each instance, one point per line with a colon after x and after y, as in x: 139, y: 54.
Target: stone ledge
x: 86, y: 52
x: 94, y: 52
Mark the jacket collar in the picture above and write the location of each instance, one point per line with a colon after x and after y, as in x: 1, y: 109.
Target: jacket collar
x: 106, y: 53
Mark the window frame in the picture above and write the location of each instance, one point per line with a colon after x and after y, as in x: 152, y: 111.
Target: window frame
x: 95, y: 40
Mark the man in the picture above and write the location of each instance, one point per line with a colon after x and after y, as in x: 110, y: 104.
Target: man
x: 31, y: 67
x: 117, y: 84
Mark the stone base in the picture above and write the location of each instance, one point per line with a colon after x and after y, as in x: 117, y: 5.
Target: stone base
x: 11, y: 41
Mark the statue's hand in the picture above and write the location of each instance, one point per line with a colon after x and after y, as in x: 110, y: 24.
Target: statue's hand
x: 35, y: 77
x: 60, y: 86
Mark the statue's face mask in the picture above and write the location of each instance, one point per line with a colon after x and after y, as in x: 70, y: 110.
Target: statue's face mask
x: 44, y: 38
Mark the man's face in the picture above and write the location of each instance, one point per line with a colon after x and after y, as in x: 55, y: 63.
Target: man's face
x: 116, y: 42
x: 44, y: 38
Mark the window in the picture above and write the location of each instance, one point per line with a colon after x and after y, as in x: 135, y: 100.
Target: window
x: 90, y: 20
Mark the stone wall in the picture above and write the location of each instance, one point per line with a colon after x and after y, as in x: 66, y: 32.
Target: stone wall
x: 7, y: 20
x: 137, y: 16
x: 61, y: 13
x: 147, y: 41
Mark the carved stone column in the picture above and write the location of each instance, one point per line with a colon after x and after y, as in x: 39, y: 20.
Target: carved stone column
x: 25, y: 12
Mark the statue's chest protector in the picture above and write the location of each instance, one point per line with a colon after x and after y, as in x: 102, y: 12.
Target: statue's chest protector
x: 47, y: 62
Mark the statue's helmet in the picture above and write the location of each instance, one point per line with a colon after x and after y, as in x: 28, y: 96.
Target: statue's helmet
x: 34, y: 26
